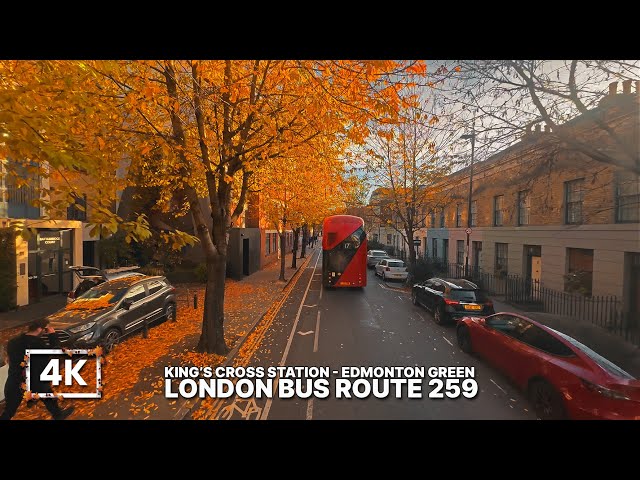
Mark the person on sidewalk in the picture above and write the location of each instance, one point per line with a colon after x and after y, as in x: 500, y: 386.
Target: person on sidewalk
x: 13, y: 390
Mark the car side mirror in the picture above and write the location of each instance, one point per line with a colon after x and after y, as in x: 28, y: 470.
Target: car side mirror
x: 126, y: 304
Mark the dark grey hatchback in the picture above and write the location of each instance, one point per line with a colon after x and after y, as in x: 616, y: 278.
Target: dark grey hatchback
x: 112, y: 310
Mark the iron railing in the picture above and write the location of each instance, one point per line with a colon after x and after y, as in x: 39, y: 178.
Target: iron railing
x: 605, y: 311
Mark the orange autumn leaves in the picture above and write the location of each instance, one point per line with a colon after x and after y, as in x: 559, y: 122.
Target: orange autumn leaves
x: 213, y: 130
x: 128, y: 388
x: 91, y: 303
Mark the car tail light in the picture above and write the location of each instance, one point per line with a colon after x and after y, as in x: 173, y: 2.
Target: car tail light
x: 605, y: 392
x: 448, y: 301
x: 387, y: 269
x: 71, y: 295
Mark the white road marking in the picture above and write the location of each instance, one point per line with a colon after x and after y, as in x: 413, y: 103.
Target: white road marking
x: 310, y: 409
x: 503, y: 390
x: 267, y: 407
x: 447, y: 340
x: 317, y: 336
x: 393, y: 289
x: 321, y: 289
x: 305, y: 333
x: 399, y: 297
x: 310, y: 306
x: 421, y: 317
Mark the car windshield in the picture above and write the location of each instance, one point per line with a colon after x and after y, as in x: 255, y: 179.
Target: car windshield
x: 468, y: 295
x: 395, y: 264
x: 599, y: 359
x: 102, y: 296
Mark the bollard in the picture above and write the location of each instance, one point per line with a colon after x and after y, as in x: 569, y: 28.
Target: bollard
x: 195, y: 301
x: 145, y: 328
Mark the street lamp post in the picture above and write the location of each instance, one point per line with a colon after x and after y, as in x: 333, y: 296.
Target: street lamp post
x: 472, y: 137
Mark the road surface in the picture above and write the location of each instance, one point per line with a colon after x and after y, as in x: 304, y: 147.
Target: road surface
x: 374, y: 326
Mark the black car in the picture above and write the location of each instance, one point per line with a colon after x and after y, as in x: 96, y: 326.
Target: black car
x: 449, y: 298
x: 114, y: 309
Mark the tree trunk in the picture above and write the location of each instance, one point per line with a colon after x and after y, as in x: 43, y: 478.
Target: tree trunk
x: 296, y: 237
x: 212, y: 336
x: 283, y: 252
x: 305, y: 240
x: 412, y: 252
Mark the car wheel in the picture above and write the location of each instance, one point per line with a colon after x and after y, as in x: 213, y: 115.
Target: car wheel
x: 111, y: 338
x: 546, y: 401
x: 170, y: 311
x: 439, y: 315
x: 464, y: 339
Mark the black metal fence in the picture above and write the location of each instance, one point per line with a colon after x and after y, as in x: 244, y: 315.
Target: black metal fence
x: 605, y: 311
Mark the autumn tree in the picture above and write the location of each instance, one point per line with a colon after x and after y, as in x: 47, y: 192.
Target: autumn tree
x: 507, y: 98
x: 302, y: 188
x: 55, y: 125
x: 197, y: 129
x: 404, y: 162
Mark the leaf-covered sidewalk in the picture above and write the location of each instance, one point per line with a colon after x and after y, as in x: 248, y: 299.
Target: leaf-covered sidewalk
x: 133, y: 373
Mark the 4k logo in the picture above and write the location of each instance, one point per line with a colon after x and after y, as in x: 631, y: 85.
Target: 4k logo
x: 72, y: 368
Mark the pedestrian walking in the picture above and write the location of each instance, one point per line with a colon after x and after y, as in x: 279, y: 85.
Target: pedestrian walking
x: 13, y: 390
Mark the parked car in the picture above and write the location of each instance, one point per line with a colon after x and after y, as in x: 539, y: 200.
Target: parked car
x: 562, y: 377
x: 392, y: 269
x: 374, y: 256
x: 450, y: 299
x: 91, y: 276
x: 113, y: 309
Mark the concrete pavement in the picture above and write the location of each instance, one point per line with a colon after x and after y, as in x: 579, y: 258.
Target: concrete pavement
x: 25, y: 314
x: 241, y: 312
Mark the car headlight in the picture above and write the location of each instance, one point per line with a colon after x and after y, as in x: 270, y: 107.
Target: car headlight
x: 82, y: 328
x: 86, y: 337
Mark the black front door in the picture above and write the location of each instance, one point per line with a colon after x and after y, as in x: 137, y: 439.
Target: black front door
x: 477, y: 248
x: 245, y: 256
x: 50, y: 256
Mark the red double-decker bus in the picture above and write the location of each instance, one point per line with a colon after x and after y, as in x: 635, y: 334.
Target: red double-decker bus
x: 344, y: 252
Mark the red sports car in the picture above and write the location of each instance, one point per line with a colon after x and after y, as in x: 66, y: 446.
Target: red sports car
x: 563, y: 378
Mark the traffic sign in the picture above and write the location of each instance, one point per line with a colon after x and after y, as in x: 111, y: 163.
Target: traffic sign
x: 416, y: 242
x: 468, y: 231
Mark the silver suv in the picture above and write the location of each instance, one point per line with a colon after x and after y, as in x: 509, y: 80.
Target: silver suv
x: 375, y: 256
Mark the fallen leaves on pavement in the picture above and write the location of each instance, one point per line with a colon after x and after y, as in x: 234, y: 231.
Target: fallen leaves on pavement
x: 123, y: 367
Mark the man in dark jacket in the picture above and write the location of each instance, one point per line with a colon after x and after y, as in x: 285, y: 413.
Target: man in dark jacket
x: 13, y: 392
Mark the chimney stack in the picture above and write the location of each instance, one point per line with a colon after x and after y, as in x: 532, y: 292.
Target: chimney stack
x: 613, y: 88
x: 538, y: 128
x: 626, y: 87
